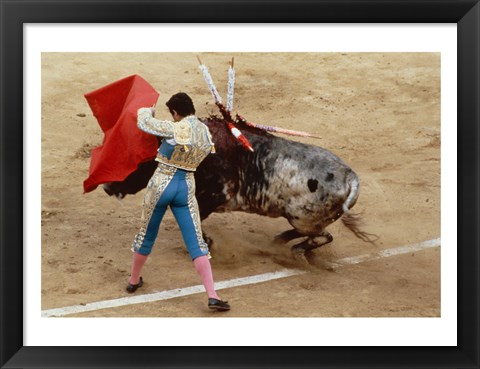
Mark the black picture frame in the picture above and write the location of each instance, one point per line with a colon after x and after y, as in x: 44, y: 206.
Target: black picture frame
x: 14, y: 14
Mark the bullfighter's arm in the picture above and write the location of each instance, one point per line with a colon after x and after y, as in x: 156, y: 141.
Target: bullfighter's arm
x: 146, y: 122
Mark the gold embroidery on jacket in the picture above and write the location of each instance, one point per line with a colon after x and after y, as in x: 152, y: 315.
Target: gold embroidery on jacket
x: 193, y: 145
x: 183, y: 132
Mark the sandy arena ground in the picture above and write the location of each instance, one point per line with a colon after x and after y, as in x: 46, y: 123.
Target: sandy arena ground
x: 379, y: 112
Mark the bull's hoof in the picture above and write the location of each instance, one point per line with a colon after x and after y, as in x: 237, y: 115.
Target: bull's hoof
x: 208, y: 240
x: 310, y: 257
x: 287, y: 236
x: 302, y: 256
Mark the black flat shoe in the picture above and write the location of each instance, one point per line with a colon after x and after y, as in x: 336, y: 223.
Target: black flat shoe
x: 131, y: 288
x: 218, y: 304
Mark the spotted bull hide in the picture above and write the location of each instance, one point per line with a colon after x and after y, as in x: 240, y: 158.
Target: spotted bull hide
x: 308, y: 185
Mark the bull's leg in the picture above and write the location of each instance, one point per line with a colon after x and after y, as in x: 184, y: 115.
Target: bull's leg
x: 207, y: 239
x: 209, y: 242
x: 304, y: 250
x: 287, y: 236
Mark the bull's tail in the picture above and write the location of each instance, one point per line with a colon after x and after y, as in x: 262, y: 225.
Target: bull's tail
x: 354, y: 222
x: 351, y: 220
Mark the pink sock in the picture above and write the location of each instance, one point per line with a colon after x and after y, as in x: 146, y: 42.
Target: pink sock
x: 203, y: 268
x: 137, y: 264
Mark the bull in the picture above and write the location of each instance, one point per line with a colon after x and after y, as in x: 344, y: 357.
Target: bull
x: 306, y: 184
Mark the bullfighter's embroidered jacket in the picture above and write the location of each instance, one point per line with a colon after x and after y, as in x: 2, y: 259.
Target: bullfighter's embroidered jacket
x: 190, y: 138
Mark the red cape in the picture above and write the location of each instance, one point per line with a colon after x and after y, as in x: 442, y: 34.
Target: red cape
x: 124, y: 145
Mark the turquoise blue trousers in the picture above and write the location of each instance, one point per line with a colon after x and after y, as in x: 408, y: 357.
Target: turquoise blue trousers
x: 174, y: 188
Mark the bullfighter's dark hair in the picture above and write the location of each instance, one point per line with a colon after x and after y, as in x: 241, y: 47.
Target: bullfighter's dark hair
x: 181, y: 103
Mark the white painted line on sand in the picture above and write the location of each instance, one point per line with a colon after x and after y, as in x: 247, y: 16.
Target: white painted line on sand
x: 166, y: 295
x: 284, y: 273
x: 387, y: 253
